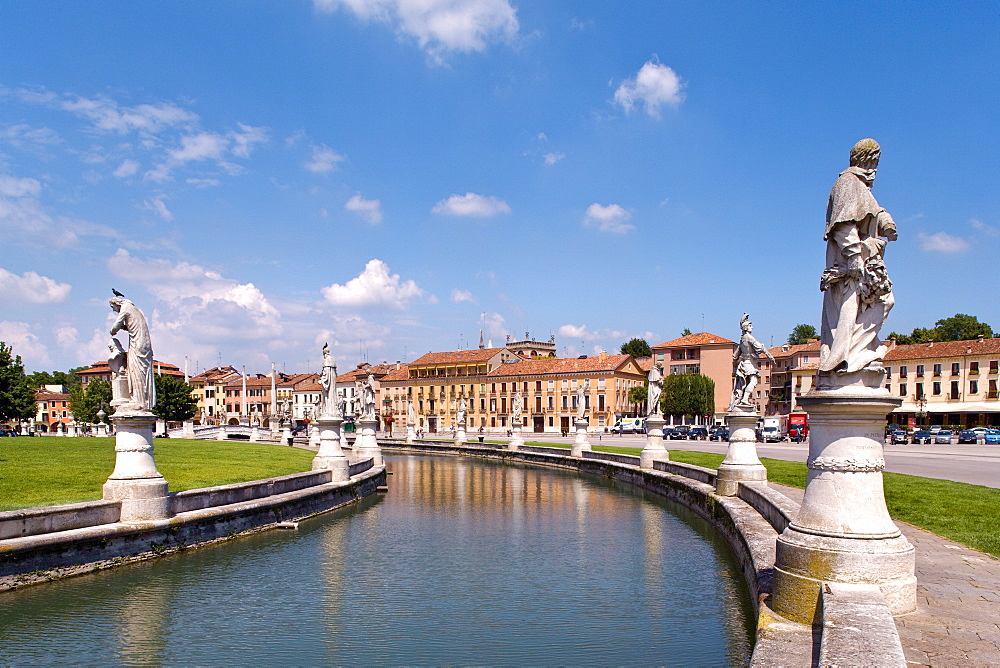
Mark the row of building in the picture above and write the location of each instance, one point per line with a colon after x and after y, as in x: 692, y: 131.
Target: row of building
x: 954, y: 382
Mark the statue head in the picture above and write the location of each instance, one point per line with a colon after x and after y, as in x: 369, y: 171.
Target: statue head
x: 865, y: 154
x: 116, y: 303
x: 745, y: 324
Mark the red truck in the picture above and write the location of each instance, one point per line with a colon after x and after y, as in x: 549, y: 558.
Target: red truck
x: 798, y: 426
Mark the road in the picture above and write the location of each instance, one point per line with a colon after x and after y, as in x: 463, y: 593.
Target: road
x: 975, y: 464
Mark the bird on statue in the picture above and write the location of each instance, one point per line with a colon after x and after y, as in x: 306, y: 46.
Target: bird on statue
x: 117, y: 294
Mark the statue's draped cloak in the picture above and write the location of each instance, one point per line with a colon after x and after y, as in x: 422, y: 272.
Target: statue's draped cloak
x: 139, y: 357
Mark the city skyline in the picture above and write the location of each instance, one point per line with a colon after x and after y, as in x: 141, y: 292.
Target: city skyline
x: 393, y: 176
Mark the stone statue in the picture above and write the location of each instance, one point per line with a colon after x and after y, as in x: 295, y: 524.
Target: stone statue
x: 138, y: 355
x: 857, y: 292
x: 411, y: 416
x: 328, y: 379
x: 746, y: 355
x: 581, y: 403
x: 120, y: 394
x: 515, y: 407
x: 342, y: 404
x: 654, y: 390
x: 368, y: 397
x: 460, y: 418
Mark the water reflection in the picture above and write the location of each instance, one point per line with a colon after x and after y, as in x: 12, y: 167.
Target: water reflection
x: 464, y: 561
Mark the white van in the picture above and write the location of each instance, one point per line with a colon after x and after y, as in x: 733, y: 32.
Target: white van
x: 629, y: 426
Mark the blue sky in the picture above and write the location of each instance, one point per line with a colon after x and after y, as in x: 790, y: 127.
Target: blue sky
x: 391, y: 175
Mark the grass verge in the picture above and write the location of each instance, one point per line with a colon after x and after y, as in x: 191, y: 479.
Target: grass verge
x: 51, y: 470
x: 964, y: 513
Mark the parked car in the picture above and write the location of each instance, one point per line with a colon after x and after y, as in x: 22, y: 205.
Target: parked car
x: 668, y: 433
x: 719, y: 435
x: 935, y: 429
x: 980, y: 431
x: 923, y: 436
x: 992, y: 437
x: 943, y: 436
x: 698, y: 434
x: 968, y: 436
x: 679, y: 432
x: 298, y: 430
x: 898, y: 436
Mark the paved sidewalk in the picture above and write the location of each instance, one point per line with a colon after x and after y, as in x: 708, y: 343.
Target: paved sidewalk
x: 957, y: 622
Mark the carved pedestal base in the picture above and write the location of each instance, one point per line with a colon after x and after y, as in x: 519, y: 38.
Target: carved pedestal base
x: 366, y: 445
x: 135, y: 481
x: 221, y: 434
x: 741, y: 463
x: 315, y: 435
x: 188, y: 431
x: 516, y: 439
x: 580, y: 443
x: 843, y: 532
x: 654, y: 448
x: 330, y: 455
x: 411, y: 433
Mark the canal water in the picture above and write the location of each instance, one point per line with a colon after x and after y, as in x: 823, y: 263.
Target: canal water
x: 464, y: 561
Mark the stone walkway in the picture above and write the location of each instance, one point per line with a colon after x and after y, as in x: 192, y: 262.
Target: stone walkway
x: 957, y: 622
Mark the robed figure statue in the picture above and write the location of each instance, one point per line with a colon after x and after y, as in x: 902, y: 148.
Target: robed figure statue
x: 138, y: 355
x: 857, y: 292
x: 328, y: 404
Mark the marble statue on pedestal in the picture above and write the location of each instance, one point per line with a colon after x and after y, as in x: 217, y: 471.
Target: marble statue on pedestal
x: 746, y: 355
x: 411, y: 417
x: 138, y: 355
x: 515, y: 408
x: 654, y: 390
x: 857, y: 292
x: 368, y: 397
x: 460, y: 416
x: 328, y: 379
x: 581, y: 402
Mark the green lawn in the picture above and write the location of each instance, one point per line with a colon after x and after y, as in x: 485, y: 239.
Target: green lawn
x: 964, y: 513
x: 50, y: 470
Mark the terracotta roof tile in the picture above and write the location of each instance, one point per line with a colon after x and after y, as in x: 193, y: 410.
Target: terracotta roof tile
x: 944, y: 349
x: 696, y: 339
x: 458, y: 356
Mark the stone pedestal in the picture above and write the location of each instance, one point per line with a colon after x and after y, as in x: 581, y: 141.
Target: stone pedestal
x: 741, y: 463
x: 244, y: 420
x: 843, y: 532
x: 286, y: 435
x: 254, y: 434
x: 71, y: 429
x: 315, y: 434
x: 221, y: 434
x: 188, y: 430
x: 102, y: 429
x: 411, y: 433
x: 460, y: 435
x: 135, y: 481
x: 330, y: 455
x: 654, y: 448
x: 366, y: 445
x: 516, y: 439
x: 580, y: 443
x: 161, y: 427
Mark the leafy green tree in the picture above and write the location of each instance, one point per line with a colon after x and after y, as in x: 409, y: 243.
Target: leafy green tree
x: 174, y: 402
x: 686, y: 332
x: 801, y: 334
x: 688, y: 394
x: 959, y: 327
x: 637, y: 397
x: 17, y: 397
x: 637, y: 348
x: 86, y: 403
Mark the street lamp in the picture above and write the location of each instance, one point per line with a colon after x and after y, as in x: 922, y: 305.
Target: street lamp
x: 921, y: 414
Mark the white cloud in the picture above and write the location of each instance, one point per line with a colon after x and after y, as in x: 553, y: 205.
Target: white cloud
x: 373, y: 286
x: 369, y: 209
x: 106, y: 114
x: 11, y: 186
x: 439, y: 26
x: 157, y: 206
x: 324, y: 159
x: 31, y: 288
x: 126, y: 169
x: 980, y: 226
x: 654, y: 86
x: 459, y: 296
x: 577, y: 332
x: 202, y: 183
x: 942, y: 242
x: 245, y: 140
x: 24, y: 342
x: 210, y: 146
x: 610, y: 218
x: 471, y: 204
x: 553, y: 158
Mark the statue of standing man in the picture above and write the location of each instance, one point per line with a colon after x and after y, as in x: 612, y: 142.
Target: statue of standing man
x: 581, y: 399
x: 329, y: 406
x: 857, y: 292
x: 138, y: 355
x: 747, y: 373
x: 654, y: 390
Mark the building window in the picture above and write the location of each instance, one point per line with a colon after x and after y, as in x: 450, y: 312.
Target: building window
x: 538, y: 386
x: 973, y: 387
x: 552, y: 385
x: 993, y: 366
x: 493, y: 405
x: 659, y: 357
x: 920, y: 370
x: 973, y: 367
x: 936, y: 387
x: 937, y: 369
x: 551, y: 402
x: 600, y: 402
x: 551, y: 423
x: 902, y: 389
x: 993, y: 390
x: 902, y: 372
x: 920, y: 390
x: 565, y: 400
x: 601, y: 383
x: 888, y: 373
x: 565, y: 384
x: 955, y: 367
x: 954, y: 390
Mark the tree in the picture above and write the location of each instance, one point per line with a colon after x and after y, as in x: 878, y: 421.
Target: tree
x: 86, y: 403
x: 688, y: 394
x: 686, y: 332
x: 637, y: 348
x: 959, y: 327
x: 17, y: 397
x: 174, y: 402
x: 801, y: 334
x: 637, y: 397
